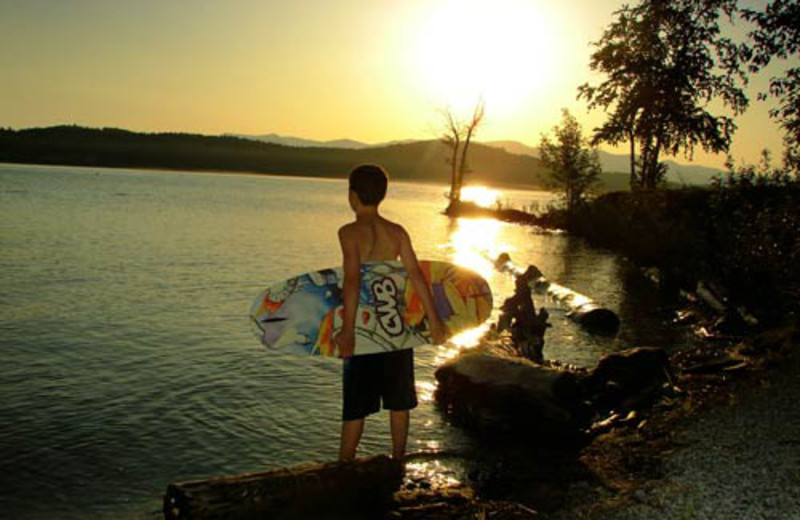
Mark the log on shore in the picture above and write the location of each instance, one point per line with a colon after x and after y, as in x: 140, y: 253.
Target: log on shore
x: 359, y: 489
x: 581, y: 309
x: 492, y: 394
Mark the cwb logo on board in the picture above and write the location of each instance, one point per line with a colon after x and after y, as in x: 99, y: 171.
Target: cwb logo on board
x: 385, y: 293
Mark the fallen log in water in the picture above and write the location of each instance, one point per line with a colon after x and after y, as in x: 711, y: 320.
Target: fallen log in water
x: 359, y: 489
x: 581, y: 309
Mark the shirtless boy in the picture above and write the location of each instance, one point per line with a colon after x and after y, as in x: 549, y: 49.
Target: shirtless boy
x: 387, y: 376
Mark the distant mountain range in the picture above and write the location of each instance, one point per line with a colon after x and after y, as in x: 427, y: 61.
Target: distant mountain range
x: 348, y: 144
x: 676, y: 173
x: 612, y: 163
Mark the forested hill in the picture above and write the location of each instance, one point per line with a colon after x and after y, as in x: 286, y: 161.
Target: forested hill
x: 419, y: 161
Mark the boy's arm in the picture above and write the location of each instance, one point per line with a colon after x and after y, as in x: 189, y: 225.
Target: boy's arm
x: 346, y: 339
x: 409, y: 259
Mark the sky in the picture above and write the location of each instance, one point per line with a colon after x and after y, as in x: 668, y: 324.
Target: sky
x: 370, y: 70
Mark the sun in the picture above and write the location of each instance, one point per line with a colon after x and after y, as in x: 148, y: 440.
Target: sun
x: 496, y: 50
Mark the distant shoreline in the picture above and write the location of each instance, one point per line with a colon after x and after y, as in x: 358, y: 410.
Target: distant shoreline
x: 154, y: 169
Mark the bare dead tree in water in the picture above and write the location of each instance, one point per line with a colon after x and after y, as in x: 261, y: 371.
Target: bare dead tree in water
x: 452, y: 140
x: 457, y: 136
x: 470, y: 129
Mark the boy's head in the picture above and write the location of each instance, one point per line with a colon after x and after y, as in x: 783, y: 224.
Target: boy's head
x: 369, y: 182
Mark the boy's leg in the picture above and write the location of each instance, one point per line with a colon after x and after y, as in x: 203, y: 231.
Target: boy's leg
x: 398, y: 423
x: 351, y: 435
x: 360, y: 398
x: 399, y: 396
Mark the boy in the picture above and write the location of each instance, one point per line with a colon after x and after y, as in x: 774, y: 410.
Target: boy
x: 388, y: 376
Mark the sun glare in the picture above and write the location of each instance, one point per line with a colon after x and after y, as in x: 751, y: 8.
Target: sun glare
x: 480, y: 195
x: 499, y: 50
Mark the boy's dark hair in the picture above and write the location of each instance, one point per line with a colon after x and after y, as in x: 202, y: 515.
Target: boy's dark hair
x: 369, y: 181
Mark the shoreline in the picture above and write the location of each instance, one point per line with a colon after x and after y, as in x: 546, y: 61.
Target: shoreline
x: 544, y: 220
x: 156, y: 169
x: 642, y: 466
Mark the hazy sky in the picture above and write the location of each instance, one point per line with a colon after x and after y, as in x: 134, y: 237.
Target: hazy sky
x: 320, y: 69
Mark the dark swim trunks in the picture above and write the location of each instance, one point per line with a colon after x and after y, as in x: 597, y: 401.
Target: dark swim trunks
x: 370, y: 378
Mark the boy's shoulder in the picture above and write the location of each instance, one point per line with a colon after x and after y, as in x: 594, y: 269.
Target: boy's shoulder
x: 350, y: 227
x: 353, y: 228
x: 394, y: 226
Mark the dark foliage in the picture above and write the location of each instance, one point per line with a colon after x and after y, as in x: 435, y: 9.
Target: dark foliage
x: 742, y: 234
x: 754, y: 236
x: 418, y: 161
x: 656, y: 228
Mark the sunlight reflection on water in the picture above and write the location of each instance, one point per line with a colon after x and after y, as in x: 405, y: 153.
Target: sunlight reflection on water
x: 437, y: 473
x: 466, y: 339
x: 475, y: 241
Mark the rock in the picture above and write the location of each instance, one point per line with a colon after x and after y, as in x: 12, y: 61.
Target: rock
x: 497, y: 394
x: 628, y: 378
x: 595, y: 319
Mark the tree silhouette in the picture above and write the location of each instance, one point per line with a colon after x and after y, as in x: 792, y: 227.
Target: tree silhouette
x: 777, y: 35
x: 572, y: 164
x: 665, y: 61
x: 452, y: 140
x: 457, y: 137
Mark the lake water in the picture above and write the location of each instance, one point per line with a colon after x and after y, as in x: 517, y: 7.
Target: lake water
x: 127, y: 358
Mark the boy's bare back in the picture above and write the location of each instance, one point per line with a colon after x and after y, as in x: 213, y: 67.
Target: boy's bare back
x: 377, y: 239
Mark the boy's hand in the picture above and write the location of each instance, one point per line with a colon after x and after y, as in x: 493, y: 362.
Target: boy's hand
x: 438, y: 331
x: 345, y: 342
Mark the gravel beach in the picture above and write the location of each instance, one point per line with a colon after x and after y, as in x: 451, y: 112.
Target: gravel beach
x: 736, y: 461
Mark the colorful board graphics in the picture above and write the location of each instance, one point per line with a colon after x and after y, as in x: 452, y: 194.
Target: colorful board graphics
x: 302, y: 314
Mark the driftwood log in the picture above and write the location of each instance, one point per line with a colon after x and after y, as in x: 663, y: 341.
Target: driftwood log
x: 359, y: 489
x: 489, y: 393
x: 590, y: 315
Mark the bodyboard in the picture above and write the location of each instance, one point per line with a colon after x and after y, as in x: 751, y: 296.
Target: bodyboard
x: 303, y: 314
